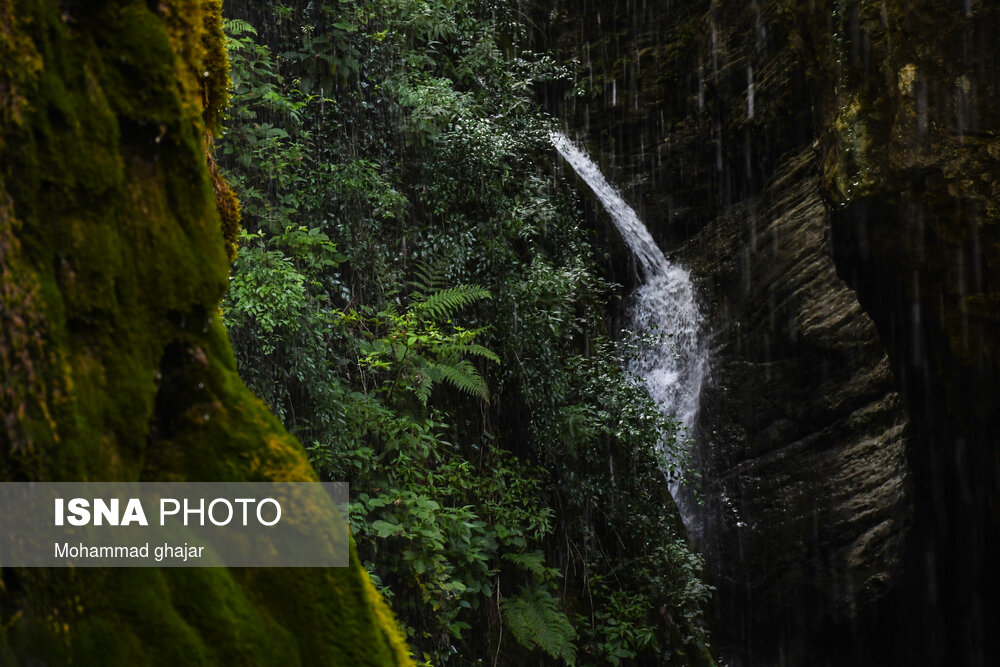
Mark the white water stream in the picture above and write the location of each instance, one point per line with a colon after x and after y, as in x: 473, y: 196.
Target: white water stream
x: 674, y: 365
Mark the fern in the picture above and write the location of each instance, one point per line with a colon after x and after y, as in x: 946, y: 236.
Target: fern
x: 427, y: 278
x: 532, y: 561
x: 441, y: 304
x: 455, y: 350
x: 536, y: 622
x: 464, y: 377
x: 477, y: 350
x: 422, y: 388
x: 234, y: 27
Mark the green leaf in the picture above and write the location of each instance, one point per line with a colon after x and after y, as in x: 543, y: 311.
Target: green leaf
x: 385, y: 529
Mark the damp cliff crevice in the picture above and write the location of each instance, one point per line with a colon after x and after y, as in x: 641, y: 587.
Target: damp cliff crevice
x: 115, y: 364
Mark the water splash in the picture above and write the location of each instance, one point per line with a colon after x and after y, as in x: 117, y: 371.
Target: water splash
x: 674, y: 367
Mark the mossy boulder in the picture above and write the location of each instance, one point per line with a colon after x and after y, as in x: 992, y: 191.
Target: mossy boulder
x: 113, y: 360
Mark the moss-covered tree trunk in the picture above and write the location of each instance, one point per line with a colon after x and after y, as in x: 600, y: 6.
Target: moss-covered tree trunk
x: 113, y: 361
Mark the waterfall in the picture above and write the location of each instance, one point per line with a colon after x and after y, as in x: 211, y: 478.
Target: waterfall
x: 674, y: 364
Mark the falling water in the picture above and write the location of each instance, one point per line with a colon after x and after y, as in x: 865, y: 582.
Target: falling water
x: 673, y: 366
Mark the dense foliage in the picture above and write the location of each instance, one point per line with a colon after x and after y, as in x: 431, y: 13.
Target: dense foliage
x: 417, y: 300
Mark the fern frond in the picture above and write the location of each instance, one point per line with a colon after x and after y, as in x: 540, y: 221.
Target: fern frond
x: 536, y: 622
x: 427, y: 277
x: 422, y: 388
x: 532, y: 561
x: 464, y: 377
x: 452, y: 351
x: 477, y: 350
x: 443, y: 303
x: 235, y: 27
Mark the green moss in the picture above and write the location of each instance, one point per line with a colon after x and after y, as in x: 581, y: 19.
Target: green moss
x: 216, y: 69
x: 228, y: 206
x: 115, y: 363
x: 24, y: 362
x: 850, y: 171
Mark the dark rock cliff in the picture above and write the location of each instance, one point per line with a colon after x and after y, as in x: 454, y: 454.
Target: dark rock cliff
x: 114, y: 364
x: 802, y: 439
x: 910, y: 141
x: 829, y: 172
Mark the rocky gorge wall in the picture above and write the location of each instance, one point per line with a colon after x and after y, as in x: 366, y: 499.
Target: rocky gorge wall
x: 910, y: 143
x: 114, y: 362
x: 802, y: 444
x: 827, y: 171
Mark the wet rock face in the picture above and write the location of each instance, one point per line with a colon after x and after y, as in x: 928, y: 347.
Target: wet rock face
x: 831, y: 173
x: 802, y: 444
x: 689, y: 105
x: 911, y: 163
